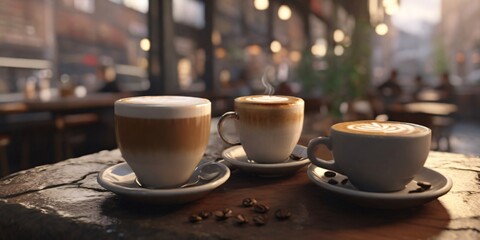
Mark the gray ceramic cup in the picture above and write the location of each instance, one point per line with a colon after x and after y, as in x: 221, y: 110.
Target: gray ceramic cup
x: 375, y: 156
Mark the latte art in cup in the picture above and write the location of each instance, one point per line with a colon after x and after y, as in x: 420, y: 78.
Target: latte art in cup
x: 371, y: 127
x: 382, y: 128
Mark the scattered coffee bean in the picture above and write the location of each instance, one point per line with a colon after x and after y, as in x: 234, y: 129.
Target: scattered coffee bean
x: 424, y: 185
x: 248, y: 202
x: 195, y: 218
x: 219, y: 215
x: 260, y: 220
x: 332, y: 181
x: 222, y: 215
x: 329, y: 174
x: 261, y: 208
x: 241, y: 219
x: 282, y: 214
x: 418, y: 190
x: 344, y: 181
x: 204, y: 214
x: 228, y: 212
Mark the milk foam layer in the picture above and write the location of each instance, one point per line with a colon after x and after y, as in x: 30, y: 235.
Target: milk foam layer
x: 161, y: 107
x: 382, y: 128
x: 267, y: 99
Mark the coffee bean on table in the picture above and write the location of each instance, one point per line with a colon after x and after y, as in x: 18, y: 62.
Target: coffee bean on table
x: 219, y: 215
x: 424, y: 185
x: 344, y: 181
x: 332, y: 181
x: 329, y: 174
x: 248, y: 202
x: 260, y: 220
x: 228, y: 212
x: 223, y: 214
x: 241, y: 219
x: 204, y: 214
x: 282, y: 214
x: 261, y: 208
x: 195, y: 218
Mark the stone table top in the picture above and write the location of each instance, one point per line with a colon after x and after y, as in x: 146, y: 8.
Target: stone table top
x: 64, y: 201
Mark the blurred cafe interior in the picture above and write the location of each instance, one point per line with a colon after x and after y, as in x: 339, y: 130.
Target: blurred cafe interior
x: 64, y: 62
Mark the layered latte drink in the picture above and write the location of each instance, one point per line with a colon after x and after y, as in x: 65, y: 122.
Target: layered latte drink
x: 269, y: 126
x: 162, y: 138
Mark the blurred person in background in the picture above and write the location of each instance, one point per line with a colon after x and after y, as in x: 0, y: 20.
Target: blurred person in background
x: 107, y: 75
x: 390, y: 91
x: 420, y: 86
x: 446, y: 89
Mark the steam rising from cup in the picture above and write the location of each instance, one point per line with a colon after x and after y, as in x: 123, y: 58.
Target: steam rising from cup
x: 269, y: 89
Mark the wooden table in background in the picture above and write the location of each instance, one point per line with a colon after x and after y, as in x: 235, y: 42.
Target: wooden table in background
x: 64, y: 201
x: 59, y: 105
x: 431, y: 108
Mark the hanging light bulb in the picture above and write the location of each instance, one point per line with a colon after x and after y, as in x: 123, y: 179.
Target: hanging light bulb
x: 145, y: 44
x: 319, y: 49
x: 381, y: 29
x: 261, y: 4
x: 284, y: 12
x: 275, y: 46
x: 338, y: 35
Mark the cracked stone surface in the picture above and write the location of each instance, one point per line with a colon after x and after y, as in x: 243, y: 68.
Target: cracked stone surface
x: 64, y: 201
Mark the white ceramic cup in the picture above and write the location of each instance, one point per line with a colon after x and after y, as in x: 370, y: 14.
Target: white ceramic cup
x: 375, y: 156
x: 269, y: 127
x: 162, y: 138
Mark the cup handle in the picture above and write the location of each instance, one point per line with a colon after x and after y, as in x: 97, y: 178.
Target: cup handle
x: 312, y: 146
x: 221, y: 122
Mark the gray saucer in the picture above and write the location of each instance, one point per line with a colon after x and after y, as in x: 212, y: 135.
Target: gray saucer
x: 389, y: 200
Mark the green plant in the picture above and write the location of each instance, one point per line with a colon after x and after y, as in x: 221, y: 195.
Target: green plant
x: 345, y: 79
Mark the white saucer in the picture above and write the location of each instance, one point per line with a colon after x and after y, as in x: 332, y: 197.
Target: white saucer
x: 237, y: 157
x: 120, y: 179
x: 392, y: 200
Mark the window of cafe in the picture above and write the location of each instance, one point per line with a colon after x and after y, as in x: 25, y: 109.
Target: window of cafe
x: 44, y: 41
x: 56, y: 59
x: 240, y: 38
x: 189, y: 19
